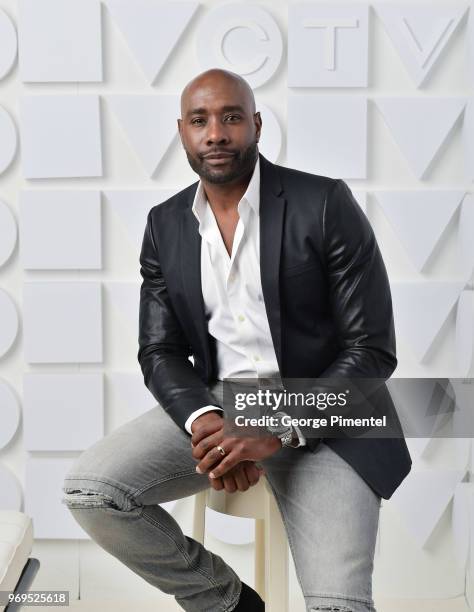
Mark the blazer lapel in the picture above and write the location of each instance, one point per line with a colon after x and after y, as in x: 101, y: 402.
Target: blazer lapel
x: 272, y: 212
x: 190, y: 247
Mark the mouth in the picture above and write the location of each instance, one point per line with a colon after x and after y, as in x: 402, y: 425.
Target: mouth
x: 218, y: 158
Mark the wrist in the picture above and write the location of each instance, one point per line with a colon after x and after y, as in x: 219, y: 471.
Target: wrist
x: 210, y: 415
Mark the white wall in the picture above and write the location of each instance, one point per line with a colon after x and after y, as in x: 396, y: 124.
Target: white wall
x: 404, y: 566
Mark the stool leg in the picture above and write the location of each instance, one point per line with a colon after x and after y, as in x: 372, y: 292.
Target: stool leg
x: 199, y: 517
x: 276, y: 558
x: 259, y: 580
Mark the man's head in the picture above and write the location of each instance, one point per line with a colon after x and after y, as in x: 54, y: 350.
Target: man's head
x: 218, y: 118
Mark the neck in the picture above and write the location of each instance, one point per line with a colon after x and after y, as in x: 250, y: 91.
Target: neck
x: 226, y: 196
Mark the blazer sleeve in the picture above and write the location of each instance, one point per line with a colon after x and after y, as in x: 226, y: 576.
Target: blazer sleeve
x: 163, y: 348
x: 359, y: 290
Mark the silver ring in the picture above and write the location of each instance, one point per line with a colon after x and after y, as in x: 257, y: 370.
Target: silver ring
x: 221, y: 450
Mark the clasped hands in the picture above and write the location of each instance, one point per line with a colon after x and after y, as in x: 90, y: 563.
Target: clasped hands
x: 236, y: 470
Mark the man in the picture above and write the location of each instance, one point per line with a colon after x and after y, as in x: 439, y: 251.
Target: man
x: 255, y: 271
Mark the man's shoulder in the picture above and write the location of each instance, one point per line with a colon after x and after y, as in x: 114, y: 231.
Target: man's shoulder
x: 292, y: 178
x: 175, y: 203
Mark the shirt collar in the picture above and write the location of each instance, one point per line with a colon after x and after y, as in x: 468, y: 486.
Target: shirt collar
x: 251, y: 195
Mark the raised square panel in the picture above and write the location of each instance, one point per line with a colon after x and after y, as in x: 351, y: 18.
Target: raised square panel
x: 60, y: 41
x: 62, y: 322
x: 335, y: 37
x: 62, y: 412
x: 333, y: 142
x: 60, y: 136
x: 44, y: 478
x: 60, y: 230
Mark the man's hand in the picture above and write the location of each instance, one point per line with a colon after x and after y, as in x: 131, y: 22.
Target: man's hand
x: 207, y: 433
x: 240, y: 478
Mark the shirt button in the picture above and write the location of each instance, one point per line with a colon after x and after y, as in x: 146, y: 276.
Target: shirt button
x: 241, y: 318
x: 256, y: 358
x: 231, y: 277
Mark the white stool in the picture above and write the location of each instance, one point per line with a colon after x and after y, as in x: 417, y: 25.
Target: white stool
x: 271, y: 545
x: 17, y: 570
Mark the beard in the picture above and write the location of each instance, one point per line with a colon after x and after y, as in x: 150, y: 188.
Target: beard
x: 240, y: 165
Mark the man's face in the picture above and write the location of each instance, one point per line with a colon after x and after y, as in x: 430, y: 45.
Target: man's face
x: 218, y: 130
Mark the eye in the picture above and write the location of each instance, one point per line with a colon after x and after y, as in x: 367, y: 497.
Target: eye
x: 233, y: 116
x: 195, y: 120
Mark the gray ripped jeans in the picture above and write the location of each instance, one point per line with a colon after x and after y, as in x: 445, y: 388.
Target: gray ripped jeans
x: 330, y: 514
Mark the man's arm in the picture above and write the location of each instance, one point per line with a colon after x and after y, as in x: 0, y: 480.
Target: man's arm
x: 361, y: 302
x: 163, y: 348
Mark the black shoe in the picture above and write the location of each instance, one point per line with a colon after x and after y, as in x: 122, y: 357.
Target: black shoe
x: 250, y: 600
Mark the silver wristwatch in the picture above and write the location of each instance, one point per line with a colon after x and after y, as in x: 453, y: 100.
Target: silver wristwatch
x: 286, y: 433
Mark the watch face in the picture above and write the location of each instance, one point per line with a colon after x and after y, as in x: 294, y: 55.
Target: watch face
x: 279, y: 428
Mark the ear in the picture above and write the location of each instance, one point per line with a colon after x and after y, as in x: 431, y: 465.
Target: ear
x: 258, y: 125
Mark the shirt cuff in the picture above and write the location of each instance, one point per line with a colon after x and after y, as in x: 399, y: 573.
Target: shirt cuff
x: 194, y: 415
x: 301, y: 438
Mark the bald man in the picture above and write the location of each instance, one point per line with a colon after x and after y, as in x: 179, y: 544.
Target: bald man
x: 263, y: 272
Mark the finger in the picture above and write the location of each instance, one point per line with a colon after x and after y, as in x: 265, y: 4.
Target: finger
x: 205, y: 430
x: 214, y: 456
x: 227, y: 463
x: 241, y: 479
x: 253, y: 473
x: 206, y: 444
x: 217, y: 483
x: 229, y: 483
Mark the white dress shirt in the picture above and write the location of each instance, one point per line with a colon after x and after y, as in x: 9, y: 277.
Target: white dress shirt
x: 232, y: 293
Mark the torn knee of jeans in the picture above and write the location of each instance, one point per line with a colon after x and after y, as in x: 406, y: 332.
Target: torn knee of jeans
x: 86, y: 498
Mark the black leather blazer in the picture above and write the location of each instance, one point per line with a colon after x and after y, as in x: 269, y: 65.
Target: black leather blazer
x: 326, y: 294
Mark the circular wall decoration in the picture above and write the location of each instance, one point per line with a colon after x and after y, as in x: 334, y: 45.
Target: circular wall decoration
x: 8, y: 233
x: 8, y: 140
x: 8, y: 322
x: 10, y: 414
x: 8, y: 44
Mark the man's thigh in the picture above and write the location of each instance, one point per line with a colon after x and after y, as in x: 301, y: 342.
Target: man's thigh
x: 331, y: 517
x: 145, y: 461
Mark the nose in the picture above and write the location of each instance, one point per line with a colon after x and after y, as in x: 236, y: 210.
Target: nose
x: 216, y: 132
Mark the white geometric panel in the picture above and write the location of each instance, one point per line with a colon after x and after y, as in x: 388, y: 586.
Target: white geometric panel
x: 149, y: 123
x: 465, y: 233
x: 131, y: 389
x: 334, y: 142
x: 62, y: 322
x: 420, y: 32
x: 60, y: 136
x: 10, y: 490
x: 422, y: 498
x: 270, y: 139
x: 462, y: 521
x: 44, y: 478
x: 420, y: 126
x: 126, y: 298
x: 9, y: 413
x: 8, y: 140
x: 421, y: 308
x: 62, y: 412
x: 7, y: 233
x: 60, y: 41
x: 242, y: 38
x: 465, y: 333
x: 361, y: 198
x: 230, y: 529
x: 419, y: 218
x: 133, y: 206
x: 335, y: 37
x: 60, y: 230
x: 8, y: 322
x: 152, y: 29
x: 8, y: 44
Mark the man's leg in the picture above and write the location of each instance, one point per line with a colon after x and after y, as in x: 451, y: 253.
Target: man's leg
x: 331, y: 517
x: 113, y: 490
